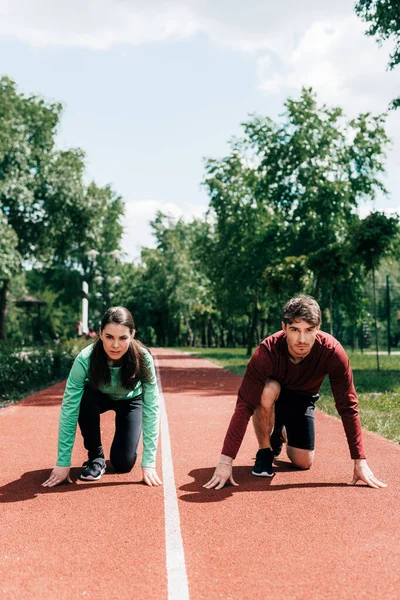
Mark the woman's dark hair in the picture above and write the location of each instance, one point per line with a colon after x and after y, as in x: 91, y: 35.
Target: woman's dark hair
x: 133, y: 366
x: 302, y: 307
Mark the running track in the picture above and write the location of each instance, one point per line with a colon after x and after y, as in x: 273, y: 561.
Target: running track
x: 301, y: 535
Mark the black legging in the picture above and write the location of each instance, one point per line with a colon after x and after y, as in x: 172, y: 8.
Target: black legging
x: 128, y: 427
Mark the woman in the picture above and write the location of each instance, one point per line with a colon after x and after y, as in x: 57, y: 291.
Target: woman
x: 117, y: 373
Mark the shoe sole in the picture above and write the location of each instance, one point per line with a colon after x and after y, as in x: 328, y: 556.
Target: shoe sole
x: 91, y: 478
x: 263, y: 474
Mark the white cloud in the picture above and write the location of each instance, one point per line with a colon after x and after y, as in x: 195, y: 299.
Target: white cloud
x: 336, y: 59
x: 293, y: 43
x: 250, y: 27
x: 138, y: 214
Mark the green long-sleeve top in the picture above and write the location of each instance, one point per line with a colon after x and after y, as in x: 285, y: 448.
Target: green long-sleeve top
x: 78, y: 378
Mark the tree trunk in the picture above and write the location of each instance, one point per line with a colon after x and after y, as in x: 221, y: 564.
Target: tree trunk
x: 203, y: 333
x: 221, y: 337
x: 230, y: 341
x: 331, y: 311
x: 263, y: 324
x: 210, y: 333
x: 253, y: 327
x: 316, y: 287
x: 189, y: 335
x: 4, y: 309
x: 375, y: 319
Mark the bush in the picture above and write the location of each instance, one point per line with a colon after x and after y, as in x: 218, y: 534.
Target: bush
x: 28, y: 369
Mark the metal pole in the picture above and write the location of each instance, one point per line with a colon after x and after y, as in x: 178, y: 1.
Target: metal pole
x: 388, y: 313
x: 85, y: 307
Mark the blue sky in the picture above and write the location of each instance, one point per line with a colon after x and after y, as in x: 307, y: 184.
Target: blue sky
x: 150, y: 88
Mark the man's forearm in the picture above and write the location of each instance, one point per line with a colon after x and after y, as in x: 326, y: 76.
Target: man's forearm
x: 225, y: 459
x: 236, y: 430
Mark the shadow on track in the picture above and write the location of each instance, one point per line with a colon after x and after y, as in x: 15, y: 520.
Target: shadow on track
x: 247, y: 483
x: 28, y: 486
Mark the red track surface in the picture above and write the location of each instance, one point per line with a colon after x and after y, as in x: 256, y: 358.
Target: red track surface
x: 301, y: 535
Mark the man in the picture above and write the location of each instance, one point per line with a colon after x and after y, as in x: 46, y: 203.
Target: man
x: 284, y: 377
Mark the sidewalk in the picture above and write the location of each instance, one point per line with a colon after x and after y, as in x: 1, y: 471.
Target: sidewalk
x: 301, y: 535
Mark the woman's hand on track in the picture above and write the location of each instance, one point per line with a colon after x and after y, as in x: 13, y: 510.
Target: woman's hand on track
x: 58, y: 475
x: 150, y: 477
x: 362, y: 472
x: 222, y: 474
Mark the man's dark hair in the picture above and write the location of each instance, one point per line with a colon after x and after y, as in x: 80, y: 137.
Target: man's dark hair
x: 302, y: 307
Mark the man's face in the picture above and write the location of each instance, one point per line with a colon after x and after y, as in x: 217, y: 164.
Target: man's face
x: 300, y: 337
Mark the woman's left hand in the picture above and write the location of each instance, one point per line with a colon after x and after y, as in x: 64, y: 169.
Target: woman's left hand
x: 150, y: 476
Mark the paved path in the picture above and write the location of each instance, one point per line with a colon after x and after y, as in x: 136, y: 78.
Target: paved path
x: 301, y: 535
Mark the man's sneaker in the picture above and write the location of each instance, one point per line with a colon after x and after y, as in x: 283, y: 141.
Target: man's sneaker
x: 277, y: 440
x: 263, y: 465
x: 93, y: 469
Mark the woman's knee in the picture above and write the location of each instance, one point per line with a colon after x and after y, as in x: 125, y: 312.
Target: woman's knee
x: 123, y: 464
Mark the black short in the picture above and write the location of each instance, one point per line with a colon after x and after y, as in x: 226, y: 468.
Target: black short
x: 295, y: 410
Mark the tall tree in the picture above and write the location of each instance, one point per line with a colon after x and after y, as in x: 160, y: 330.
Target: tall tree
x: 290, y: 189
x: 383, y: 16
x: 28, y: 126
x: 56, y: 218
x: 246, y: 233
x: 374, y: 238
x: 10, y: 260
x: 313, y: 169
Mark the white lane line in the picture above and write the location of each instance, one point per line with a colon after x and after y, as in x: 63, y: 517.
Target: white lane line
x: 178, y: 588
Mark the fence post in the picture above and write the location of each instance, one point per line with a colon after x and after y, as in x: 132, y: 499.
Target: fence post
x: 388, y: 313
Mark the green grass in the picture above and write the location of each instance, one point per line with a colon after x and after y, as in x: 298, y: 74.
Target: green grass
x: 378, y: 392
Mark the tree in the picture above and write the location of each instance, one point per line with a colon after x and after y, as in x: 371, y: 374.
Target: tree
x: 288, y: 190
x: 384, y: 19
x: 10, y: 260
x: 55, y: 217
x: 245, y: 236
x: 176, y: 288
x: 27, y: 131
x: 312, y: 170
x: 373, y: 240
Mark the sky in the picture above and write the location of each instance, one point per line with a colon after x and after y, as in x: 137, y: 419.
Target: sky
x: 151, y: 88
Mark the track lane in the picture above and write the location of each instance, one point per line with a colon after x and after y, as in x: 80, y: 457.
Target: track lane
x: 301, y: 535
x: 100, y: 540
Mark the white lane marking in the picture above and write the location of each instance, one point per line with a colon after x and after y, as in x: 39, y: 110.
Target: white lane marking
x: 178, y: 588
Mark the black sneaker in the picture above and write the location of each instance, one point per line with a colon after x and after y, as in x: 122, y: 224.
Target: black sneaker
x: 277, y: 440
x: 263, y: 465
x: 93, y: 470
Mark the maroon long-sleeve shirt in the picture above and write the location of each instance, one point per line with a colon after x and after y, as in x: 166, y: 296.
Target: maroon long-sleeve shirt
x: 271, y: 361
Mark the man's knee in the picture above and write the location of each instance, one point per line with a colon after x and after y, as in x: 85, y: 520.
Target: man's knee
x: 302, y: 459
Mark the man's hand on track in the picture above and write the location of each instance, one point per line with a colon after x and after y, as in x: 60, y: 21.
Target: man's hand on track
x: 363, y: 473
x: 222, y: 474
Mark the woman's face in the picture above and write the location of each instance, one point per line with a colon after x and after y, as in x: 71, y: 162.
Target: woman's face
x: 116, y: 339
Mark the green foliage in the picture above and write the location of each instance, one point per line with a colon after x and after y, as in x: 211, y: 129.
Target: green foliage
x: 10, y: 258
x: 289, y: 190
x: 47, y: 214
x: 22, y: 372
x: 28, y: 127
x: 61, y: 288
x: 383, y: 17
x: 374, y: 238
